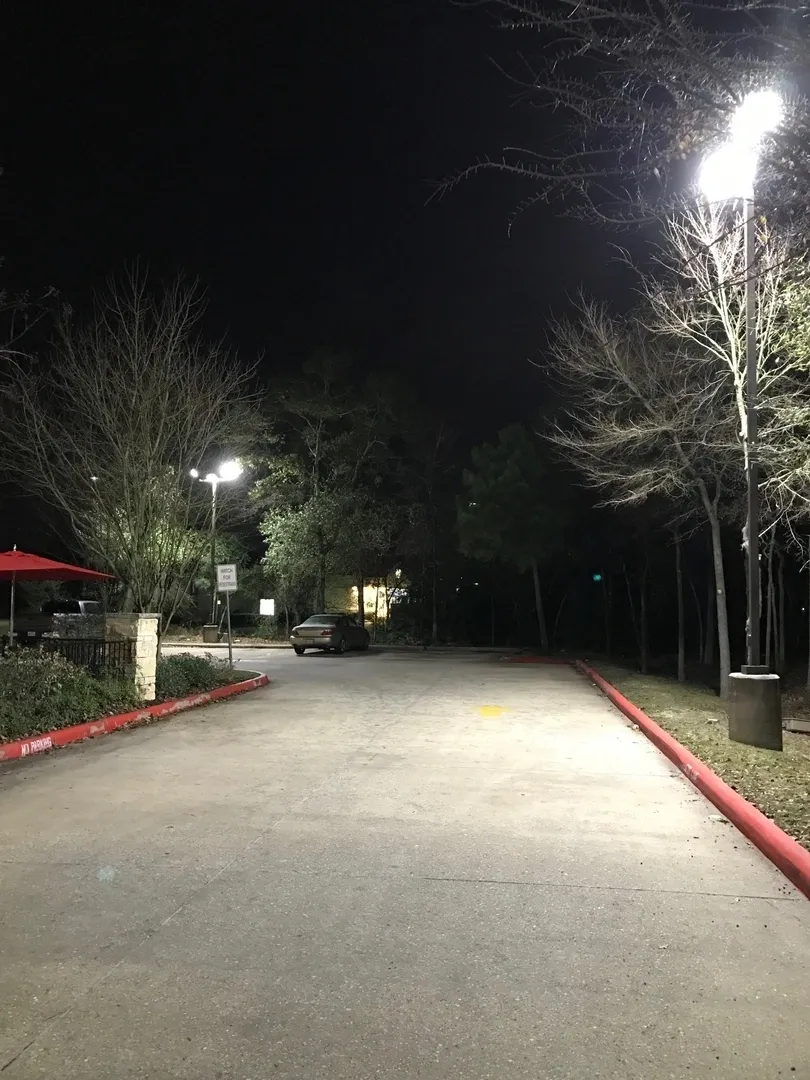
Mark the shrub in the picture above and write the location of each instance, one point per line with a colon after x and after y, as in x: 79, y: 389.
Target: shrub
x: 44, y: 691
x: 183, y: 674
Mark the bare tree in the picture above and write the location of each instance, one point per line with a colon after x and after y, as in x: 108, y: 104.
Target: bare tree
x: 661, y: 396
x: 107, y: 427
x: 643, y: 426
x: 697, y: 300
x: 627, y: 93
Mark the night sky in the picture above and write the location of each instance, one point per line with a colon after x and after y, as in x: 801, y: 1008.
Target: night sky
x: 286, y: 160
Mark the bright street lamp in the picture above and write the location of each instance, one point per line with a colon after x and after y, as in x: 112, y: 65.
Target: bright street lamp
x: 759, y: 113
x: 228, y: 471
x: 729, y: 174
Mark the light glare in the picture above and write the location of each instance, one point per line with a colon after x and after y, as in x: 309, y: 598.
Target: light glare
x: 758, y: 114
x: 230, y: 470
x: 729, y: 173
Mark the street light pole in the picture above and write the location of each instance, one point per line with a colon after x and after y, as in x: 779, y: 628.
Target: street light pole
x: 228, y: 470
x: 753, y: 654
x: 214, y: 482
x: 729, y: 174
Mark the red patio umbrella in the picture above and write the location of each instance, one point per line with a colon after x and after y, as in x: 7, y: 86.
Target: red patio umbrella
x: 19, y: 564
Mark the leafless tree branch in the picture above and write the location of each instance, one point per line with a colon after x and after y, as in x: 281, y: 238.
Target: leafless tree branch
x: 636, y: 92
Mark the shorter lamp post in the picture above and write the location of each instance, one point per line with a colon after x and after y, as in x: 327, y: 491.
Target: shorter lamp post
x: 729, y: 175
x: 228, y: 470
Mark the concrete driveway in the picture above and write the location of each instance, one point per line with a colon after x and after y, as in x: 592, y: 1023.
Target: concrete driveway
x: 395, y: 865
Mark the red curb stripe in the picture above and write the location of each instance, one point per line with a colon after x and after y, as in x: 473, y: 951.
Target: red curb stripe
x: 38, y: 744
x: 775, y: 844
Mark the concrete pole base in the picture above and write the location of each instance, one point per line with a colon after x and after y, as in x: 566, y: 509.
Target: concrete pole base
x: 755, y: 710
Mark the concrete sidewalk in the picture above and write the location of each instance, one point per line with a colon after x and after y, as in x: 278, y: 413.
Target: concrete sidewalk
x: 385, y: 866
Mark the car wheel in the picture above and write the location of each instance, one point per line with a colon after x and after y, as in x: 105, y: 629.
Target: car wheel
x: 366, y: 644
x: 298, y: 650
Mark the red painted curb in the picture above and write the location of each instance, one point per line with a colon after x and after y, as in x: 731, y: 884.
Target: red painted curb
x: 782, y: 850
x: 37, y: 744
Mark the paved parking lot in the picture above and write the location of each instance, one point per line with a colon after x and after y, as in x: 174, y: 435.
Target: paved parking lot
x: 390, y: 865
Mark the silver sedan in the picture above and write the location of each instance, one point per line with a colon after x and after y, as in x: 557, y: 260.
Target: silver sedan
x: 330, y: 633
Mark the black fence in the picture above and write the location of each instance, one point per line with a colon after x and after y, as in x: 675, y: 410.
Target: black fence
x: 100, y: 658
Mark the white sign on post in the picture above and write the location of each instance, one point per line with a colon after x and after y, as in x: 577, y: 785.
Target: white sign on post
x: 226, y: 577
x: 267, y: 607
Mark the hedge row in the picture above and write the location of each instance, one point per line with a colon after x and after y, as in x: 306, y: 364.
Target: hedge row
x: 42, y: 692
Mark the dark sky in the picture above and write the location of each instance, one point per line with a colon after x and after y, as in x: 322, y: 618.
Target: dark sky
x: 284, y: 159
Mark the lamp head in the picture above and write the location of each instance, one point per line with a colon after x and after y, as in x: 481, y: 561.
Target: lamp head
x: 230, y: 470
x: 729, y: 173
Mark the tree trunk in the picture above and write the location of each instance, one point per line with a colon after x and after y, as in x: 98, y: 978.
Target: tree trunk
x: 632, y: 604
x: 361, y: 600
x: 607, y: 598
x: 538, y: 603
x: 782, y: 651
x: 423, y: 638
x: 644, y: 637
x: 554, y: 644
x: 711, y: 618
x: 492, y: 606
x: 699, y: 612
x: 434, y: 622
x: 321, y: 597
x: 808, y: 613
x: 723, y: 645
x: 681, y: 630
x: 769, y: 601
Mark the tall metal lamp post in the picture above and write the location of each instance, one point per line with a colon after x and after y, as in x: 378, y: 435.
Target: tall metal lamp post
x: 228, y: 471
x: 727, y: 175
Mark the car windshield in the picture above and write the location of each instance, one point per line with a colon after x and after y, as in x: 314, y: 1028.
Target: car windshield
x: 321, y: 620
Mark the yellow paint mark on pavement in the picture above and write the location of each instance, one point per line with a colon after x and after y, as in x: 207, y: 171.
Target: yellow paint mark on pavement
x: 491, y: 710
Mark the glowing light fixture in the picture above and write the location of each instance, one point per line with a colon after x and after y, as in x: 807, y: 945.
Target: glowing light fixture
x: 729, y: 172
x: 230, y: 470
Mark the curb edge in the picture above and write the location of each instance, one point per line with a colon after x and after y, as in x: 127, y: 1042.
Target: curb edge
x: 782, y: 850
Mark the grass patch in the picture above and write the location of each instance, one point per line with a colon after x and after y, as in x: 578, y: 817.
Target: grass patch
x: 182, y: 674
x: 777, y: 783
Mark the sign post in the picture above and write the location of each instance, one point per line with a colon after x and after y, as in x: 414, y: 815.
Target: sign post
x: 227, y: 583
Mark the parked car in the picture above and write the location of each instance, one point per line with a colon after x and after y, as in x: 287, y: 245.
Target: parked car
x: 330, y: 633
x: 31, y: 627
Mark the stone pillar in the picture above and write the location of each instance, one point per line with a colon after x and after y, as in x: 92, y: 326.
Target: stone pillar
x: 142, y: 630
